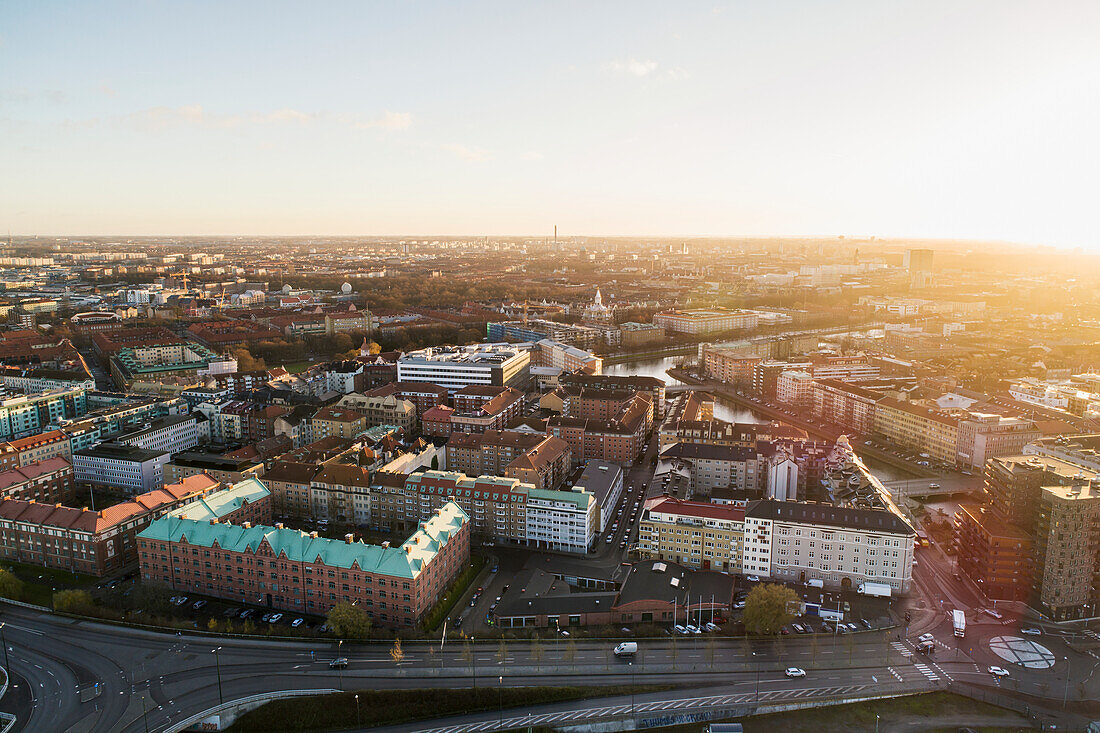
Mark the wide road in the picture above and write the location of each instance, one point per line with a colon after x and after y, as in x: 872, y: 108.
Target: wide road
x: 147, y: 677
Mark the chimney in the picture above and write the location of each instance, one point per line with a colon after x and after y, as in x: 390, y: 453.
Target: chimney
x: 406, y: 549
x: 57, y: 505
x: 246, y: 525
x: 279, y: 525
x: 349, y: 537
x: 313, y: 534
x: 386, y: 545
x: 213, y: 522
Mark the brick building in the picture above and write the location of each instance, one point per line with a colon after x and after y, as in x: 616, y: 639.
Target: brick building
x: 303, y: 573
x: 50, y: 481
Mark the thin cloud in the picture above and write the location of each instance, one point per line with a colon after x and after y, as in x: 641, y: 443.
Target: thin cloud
x: 156, y: 119
x: 632, y: 67
x: 54, y: 96
x: 532, y: 155
x: 466, y: 152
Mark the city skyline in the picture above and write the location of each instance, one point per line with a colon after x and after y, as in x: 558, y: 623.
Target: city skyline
x: 908, y: 121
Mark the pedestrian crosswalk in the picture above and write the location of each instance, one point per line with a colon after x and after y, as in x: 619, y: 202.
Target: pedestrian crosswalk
x: 901, y: 649
x: 926, y: 671
x: 897, y: 674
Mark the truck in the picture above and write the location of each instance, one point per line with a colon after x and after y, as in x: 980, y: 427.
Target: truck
x: 878, y: 590
x: 958, y: 618
x: 626, y: 649
x: 815, y: 583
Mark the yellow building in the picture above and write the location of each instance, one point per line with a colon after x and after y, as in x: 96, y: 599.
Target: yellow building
x: 918, y: 428
x: 694, y: 534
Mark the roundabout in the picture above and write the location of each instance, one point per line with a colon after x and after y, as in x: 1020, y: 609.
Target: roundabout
x: 1021, y: 651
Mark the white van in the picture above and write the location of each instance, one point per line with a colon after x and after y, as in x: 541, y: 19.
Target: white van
x: 626, y: 649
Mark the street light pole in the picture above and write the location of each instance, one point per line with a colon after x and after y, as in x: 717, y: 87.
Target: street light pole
x: 4, y: 641
x: 358, y: 720
x: 340, y: 667
x: 500, y: 697
x: 631, y: 665
x: 218, y: 663
x: 1065, y: 695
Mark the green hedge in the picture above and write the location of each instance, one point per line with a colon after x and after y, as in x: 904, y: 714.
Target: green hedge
x: 446, y: 604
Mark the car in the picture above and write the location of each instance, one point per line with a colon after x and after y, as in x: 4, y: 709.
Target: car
x: 266, y: 617
x: 494, y: 569
x: 297, y: 622
x: 495, y: 602
x: 865, y: 622
x: 993, y: 613
x: 564, y: 632
x: 752, y: 578
x: 473, y: 602
x: 197, y: 605
x: 795, y: 672
x: 679, y: 629
x: 276, y: 617
x: 933, y: 485
x: 711, y: 626
x: 998, y: 671
x: 739, y: 604
x: 338, y: 663
x: 246, y: 613
x: 852, y: 627
x: 798, y: 628
x: 609, y: 540
x: 231, y: 611
x: 785, y: 630
x: 1032, y: 631
x: 926, y: 637
x: 324, y: 628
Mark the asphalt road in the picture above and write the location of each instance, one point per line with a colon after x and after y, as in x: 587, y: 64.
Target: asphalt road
x: 61, y: 660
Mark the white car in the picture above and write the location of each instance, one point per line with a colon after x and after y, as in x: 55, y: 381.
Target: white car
x: 795, y: 672
x: 925, y: 637
x: 1032, y: 631
x: 993, y: 613
x: 752, y: 578
x: 711, y: 626
x: 998, y: 671
x: 679, y: 629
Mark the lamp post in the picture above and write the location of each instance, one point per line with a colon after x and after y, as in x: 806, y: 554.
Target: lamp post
x: 757, y: 668
x: 4, y: 641
x: 358, y: 720
x: 340, y: 667
x: 1065, y: 695
x: 500, y: 697
x: 631, y: 665
x: 218, y: 664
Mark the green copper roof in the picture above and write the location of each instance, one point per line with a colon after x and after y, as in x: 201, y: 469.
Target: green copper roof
x: 405, y: 561
x: 579, y: 497
x: 220, y: 503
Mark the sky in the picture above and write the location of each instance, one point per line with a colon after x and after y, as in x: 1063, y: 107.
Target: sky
x: 968, y: 120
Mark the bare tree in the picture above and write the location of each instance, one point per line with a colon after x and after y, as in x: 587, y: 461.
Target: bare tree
x: 537, y: 652
x: 570, y: 654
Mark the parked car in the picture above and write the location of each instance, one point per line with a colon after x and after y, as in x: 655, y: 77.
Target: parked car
x: 197, y: 605
x: 795, y: 672
x: 297, y: 622
x: 998, y: 671
x: 679, y: 629
x: 1032, y: 631
x: 752, y: 578
x: 926, y: 637
x: 712, y: 626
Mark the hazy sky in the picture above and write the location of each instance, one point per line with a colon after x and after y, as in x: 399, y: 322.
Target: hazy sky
x: 939, y: 119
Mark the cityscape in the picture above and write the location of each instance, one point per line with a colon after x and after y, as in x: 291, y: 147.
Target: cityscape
x: 572, y: 480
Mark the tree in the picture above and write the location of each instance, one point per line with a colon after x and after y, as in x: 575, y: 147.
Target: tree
x: 570, y: 654
x: 73, y: 601
x: 435, y: 463
x: 397, y: 653
x: 712, y: 647
x: 674, y: 651
x: 502, y: 653
x: 468, y: 657
x: 212, y: 624
x: 10, y: 586
x: 246, y: 362
x: 349, y: 621
x: 537, y: 652
x: 768, y: 607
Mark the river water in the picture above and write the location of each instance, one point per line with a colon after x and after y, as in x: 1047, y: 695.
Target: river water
x: 723, y: 411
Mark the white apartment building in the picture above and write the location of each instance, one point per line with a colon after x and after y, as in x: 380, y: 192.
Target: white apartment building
x: 134, y: 470
x: 794, y: 388
x: 718, y: 466
x: 705, y: 321
x: 455, y: 367
x: 567, y: 521
x: 565, y: 357
x: 170, y: 434
x: 842, y: 547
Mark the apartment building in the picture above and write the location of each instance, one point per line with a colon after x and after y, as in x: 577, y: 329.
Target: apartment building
x: 565, y: 357
x: 30, y: 414
x: 1067, y: 533
x: 341, y: 492
x: 983, y: 436
x: 387, y: 410
x: 223, y: 468
x: 718, y: 466
x: 729, y: 365
x: 423, y: 395
x: 340, y: 422
x: 496, y: 505
x: 133, y: 470
x: 563, y: 521
x: 488, y: 453
x: 619, y: 440
x: 479, y: 408
x: 700, y: 322
x: 436, y: 422
x: 652, y: 386
x: 604, y: 480
x: 846, y: 405
x: 289, y: 483
x: 544, y: 466
x: 795, y: 388
x: 170, y: 434
x: 994, y: 553
x: 303, y: 573
x: 841, y: 546
x: 698, y: 535
x: 85, y: 541
x: 48, y: 481
x: 35, y: 448
x: 918, y: 428
x: 455, y: 367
